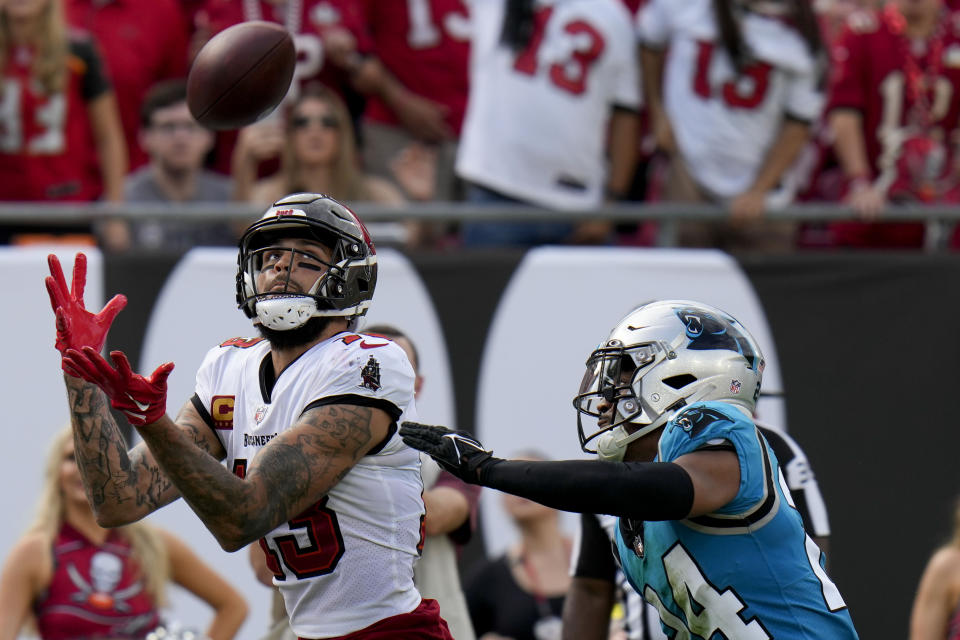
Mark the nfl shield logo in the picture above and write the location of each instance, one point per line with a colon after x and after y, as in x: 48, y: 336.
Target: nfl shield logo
x: 734, y: 386
x: 260, y: 414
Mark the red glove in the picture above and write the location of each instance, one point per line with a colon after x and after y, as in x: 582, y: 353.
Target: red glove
x: 77, y: 327
x: 142, y: 400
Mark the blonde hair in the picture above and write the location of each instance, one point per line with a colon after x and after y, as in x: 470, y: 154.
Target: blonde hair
x: 50, y: 64
x: 145, y: 541
x: 347, y: 179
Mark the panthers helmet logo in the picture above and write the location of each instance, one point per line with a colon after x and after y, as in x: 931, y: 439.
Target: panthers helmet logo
x: 707, y: 331
x: 696, y: 419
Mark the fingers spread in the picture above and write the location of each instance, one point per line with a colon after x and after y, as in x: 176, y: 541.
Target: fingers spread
x: 103, y: 370
x: 112, y: 308
x: 160, y: 375
x: 63, y: 324
x: 79, y: 277
x: 122, y: 364
x: 54, y: 291
x: 80, y: 364
x: 56, y: 271
x: 69, y: 368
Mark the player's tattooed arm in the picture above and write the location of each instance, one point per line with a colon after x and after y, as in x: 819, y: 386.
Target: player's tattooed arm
x: 295, y: 470
x: 122, y: 485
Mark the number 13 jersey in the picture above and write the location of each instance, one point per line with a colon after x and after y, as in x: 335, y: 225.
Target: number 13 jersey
x: 347, y: 561
x: 725, y: 123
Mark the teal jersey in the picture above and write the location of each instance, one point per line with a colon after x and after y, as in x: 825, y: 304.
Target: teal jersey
x: 745, y: 572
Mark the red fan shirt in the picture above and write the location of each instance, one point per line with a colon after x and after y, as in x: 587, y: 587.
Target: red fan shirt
x: 46, y: 141
x: 907, y: 95
x: 425, y: 44
x: 96, y: 592
x: 142, y: 43
x: 308, y: 26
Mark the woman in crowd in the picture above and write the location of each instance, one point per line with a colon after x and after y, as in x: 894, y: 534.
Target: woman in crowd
x: 936, y: 607
x: 318, y: 154
x: 60, y: 133
x: 69, y: 578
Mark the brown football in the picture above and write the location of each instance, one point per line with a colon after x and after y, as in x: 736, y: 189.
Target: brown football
x: 241, y: 74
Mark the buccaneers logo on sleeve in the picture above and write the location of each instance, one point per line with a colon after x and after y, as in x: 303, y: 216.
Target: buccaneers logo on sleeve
x: 370, y: 374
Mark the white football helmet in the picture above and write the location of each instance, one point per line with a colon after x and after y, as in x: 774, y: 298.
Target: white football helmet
x: 659, y: 358
x: 345, y: 288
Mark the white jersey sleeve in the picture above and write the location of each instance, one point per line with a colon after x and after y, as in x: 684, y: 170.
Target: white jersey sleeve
x: 805, y: 97
x: 653, y: 24
x: 369, y: 371
x: 626, y: 74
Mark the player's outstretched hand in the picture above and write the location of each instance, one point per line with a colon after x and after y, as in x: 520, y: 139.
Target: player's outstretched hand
x: 77, y: 327
x: 456, y: 451
x: 142, y: 400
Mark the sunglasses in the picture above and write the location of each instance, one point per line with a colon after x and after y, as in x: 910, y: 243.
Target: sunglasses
x: 327, y: 122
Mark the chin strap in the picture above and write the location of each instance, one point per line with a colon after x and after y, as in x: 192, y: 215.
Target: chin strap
x: 612, y: 446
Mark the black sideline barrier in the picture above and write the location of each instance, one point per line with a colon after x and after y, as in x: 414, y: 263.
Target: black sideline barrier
x: 868, y: 348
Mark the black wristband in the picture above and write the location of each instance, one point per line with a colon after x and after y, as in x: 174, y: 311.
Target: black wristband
x: 638, y: 490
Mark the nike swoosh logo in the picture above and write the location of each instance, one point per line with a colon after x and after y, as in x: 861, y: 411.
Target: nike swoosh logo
x: 453, y: 439
x: 140, y: 405
x: 367, y: 345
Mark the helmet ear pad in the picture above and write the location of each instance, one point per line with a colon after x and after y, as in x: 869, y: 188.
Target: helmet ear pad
x: 245, y: 293
x: 717, y: 375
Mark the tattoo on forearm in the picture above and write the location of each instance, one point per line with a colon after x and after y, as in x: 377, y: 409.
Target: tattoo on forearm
x: 284, y: 475
x: 110, y: 475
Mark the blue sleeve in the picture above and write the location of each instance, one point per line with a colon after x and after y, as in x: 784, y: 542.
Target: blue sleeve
x: 703, y: 425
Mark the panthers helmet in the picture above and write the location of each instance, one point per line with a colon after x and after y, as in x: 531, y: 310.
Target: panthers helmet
x: 345, y: 288
x: 659, y: 358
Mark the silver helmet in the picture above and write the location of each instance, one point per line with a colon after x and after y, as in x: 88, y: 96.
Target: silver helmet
x: 659, y: 358
x: 345, y: 286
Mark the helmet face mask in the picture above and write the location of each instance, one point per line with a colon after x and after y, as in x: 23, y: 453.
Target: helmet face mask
x: 608, y: 396
x: 345, y: 263
x: 683, y: 352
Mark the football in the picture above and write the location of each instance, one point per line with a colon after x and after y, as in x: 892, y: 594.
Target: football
x: 241, y: 75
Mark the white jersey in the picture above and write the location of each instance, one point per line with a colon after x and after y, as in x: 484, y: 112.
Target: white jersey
x: 346, y: 562
x: 725, y: 126
x: 536, y: 121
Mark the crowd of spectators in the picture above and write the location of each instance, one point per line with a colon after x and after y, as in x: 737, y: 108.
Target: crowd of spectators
x: 750, y: 105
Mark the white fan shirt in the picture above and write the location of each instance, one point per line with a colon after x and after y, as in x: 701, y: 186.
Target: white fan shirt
x: 536, y: 121
x: 725, y: 126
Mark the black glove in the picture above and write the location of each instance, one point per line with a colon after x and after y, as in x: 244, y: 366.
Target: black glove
x: 456, y: 451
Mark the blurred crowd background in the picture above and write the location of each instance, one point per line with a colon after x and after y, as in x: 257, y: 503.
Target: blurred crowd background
x: 745, y: 107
